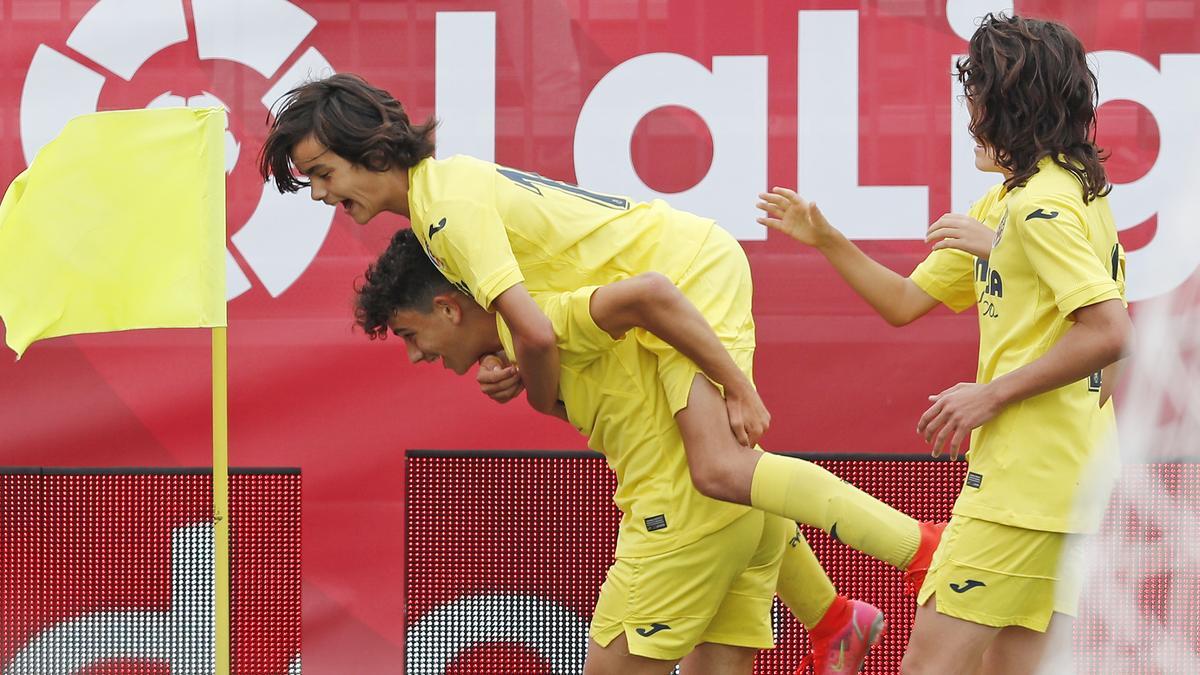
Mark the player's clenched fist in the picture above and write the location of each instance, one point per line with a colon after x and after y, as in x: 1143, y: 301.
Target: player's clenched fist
x: 497, y: 378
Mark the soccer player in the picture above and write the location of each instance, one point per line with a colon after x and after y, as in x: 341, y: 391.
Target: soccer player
x: 501, y: 235
x: 1047, y: 278
x: 692, y: 575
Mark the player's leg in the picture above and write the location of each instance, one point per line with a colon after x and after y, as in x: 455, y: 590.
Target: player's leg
x: 803, y: 585
x: 741, y: 624
x: 717, y: 659
x: 942, y: 644
x: 1019, y: 651
x: 989, y: 580
x: 616, y: 659
x: 660, y: 607
x: 841, y: 630
x: 793, y: 488
x: 718, y: 283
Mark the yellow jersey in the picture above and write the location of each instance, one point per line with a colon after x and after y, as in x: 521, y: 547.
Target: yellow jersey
x: 1047, y: 462
x: 488, y: 227
x: 614, y: 397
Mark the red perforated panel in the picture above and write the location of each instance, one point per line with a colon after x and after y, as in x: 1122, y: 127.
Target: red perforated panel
x: 506, y: 554
x: 113, y: 572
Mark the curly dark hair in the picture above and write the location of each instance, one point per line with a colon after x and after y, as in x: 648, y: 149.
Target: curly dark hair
x: 1033, y: 95
x: 403, y: 278
x: 362, y: 123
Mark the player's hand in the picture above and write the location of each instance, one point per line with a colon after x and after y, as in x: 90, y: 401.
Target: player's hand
x: 954, y: 230
x: 791, y: 214
x: 748, y: 416
x: 497, y: 378
x: 948, y: 422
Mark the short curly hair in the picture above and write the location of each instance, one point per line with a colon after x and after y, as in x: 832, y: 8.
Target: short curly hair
x: 403, y: 278
x: 362, y: 123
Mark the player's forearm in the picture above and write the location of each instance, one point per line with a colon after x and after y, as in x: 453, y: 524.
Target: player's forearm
x: 1082, y: 350
x: 539, y: 372
x: 535, y: 344
x: 882, y: 288
x: 1109, y: 376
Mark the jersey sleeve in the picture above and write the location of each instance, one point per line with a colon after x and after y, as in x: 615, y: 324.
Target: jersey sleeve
x: 948, y: 275
x: 1055, y: 240
x: 467, y: 241
x: 579, y: 339
x: 571, y: 316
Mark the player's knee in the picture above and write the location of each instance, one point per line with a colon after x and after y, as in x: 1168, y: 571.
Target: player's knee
x: 712, y: 480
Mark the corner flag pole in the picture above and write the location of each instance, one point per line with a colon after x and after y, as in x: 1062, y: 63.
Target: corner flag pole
x: 221, y: 496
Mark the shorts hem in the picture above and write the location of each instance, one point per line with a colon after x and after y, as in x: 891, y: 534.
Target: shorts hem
x: 738, y: 641
x: 605, y: 637
x: 1032, y: 623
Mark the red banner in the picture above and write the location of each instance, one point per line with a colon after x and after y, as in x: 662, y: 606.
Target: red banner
x: 703, y: 102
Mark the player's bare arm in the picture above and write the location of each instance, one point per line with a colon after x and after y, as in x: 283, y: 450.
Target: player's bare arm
x: 1109, y: 376
x: 535, y: 344
x: 896, y: 298
x: 652, y: 302
x: 1097, y: 340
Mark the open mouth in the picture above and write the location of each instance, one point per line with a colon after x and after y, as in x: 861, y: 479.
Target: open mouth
x: 347, y: 205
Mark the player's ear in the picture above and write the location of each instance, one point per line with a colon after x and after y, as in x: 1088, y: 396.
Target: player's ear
x: 448, y: 306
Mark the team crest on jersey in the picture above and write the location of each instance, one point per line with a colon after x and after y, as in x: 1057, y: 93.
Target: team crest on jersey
x: 1000, y: 229
x: 437, y: 262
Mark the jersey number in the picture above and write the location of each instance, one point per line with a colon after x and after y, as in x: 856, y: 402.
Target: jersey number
x: 532, y: 181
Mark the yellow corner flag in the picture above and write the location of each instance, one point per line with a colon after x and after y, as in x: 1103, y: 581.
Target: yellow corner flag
x: 119, y: 223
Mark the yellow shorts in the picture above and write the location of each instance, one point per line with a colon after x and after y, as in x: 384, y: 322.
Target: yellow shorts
x: 999, y: 575
x: 717, y: 589
x: 718, y: 283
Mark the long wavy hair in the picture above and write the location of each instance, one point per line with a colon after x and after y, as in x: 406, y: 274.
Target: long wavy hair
x: 1032, y: 95
x: 361, y: 123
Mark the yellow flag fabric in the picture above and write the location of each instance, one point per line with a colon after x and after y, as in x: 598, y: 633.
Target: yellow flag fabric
x: 119, y: 223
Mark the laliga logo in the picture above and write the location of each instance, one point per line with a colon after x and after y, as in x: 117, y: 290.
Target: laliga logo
x: 730, y: 96
x: 282, y: 237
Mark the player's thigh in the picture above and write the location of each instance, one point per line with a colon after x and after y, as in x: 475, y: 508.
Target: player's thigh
x: 616, y: 659
x: 999, y: 576
x: 1020, y: 651
x: 718, y: 284
x: 744, y: 616
x: 721, y: 468
x: 942, y: 644
x: 661, y: 606
x: 717, y: 659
